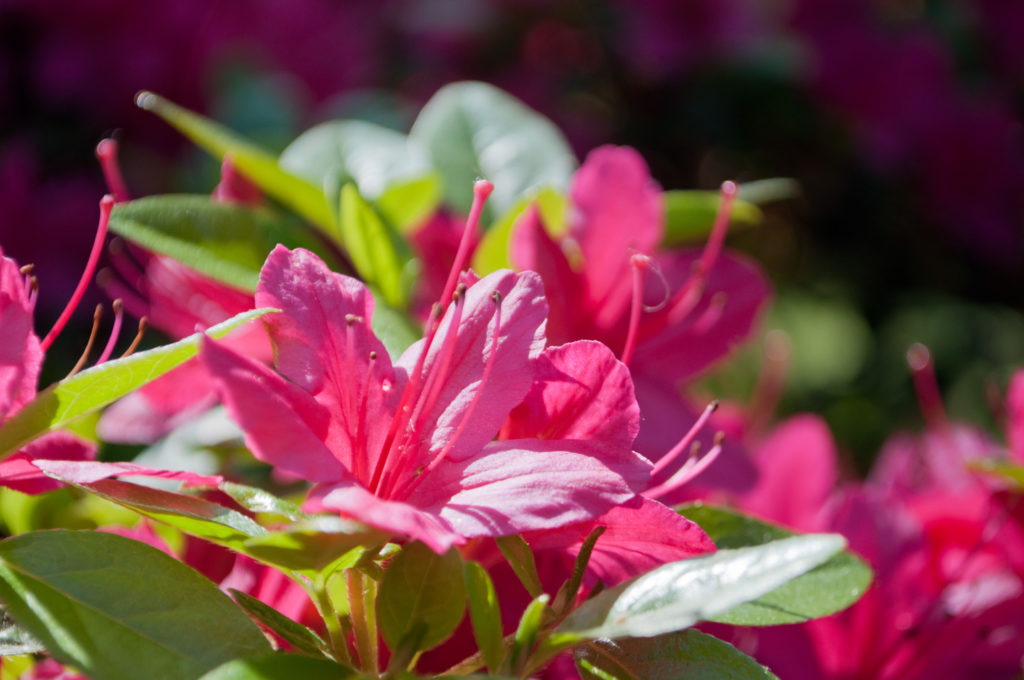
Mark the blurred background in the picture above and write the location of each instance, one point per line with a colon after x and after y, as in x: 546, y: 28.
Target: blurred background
x: 899, y: 118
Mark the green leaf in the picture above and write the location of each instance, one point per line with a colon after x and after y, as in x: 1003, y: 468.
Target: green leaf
x: 526, y: 634
x: 385, y: 165
x: 1007, y: 471
x: 255, y: 163
x: 63, y: 402
x: 493, y: 252
x: 279, y: 666
x: 15, y: 640
x: 826, y: 589
x: 519, y: 556
x: 689, y: 215
x: 312, y: 544
x: 257, y: 500
x: 421, y: 587
x: 119, y: 609
x: 473, y: 129
x: 677, y: 595
x: 566, y: 596
x: 226, y: 242
x: 688, y: 654
x: 379, y: 254
x: 769, y: 190
x: 292, y: 632
x: 192, y: 515
x: 394, y: 328
x: 484, y: 614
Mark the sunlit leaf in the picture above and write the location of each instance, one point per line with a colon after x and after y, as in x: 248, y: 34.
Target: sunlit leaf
x: 257, y: 500
x: 473, y: 130
x: 379, y: 254
x: 15, y: 640
x: 526, y: 634
x: 118, y: 609
x: 484, y: 614
x: 492, y: 254
x: 298, y: 636
x: 279, y: 666
x: 312, y: 544
x: 689, y: 215
x: 96, y: 387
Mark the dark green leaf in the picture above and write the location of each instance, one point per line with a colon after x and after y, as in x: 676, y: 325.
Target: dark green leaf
x: 226, y: 242
x: 421, y: 587
x: 298, y: 636
x: 473, y: 129
x: 824, y: 590
x: 279, y: 666
x: 677, y: 595
x: 119, y: 609
x: 520, y: 558
x: 255, y: 163
x: 689, y: 654
x: 15, y: 640
x: 484, y: 614
x: 71, y: 398
x: 566, y: 596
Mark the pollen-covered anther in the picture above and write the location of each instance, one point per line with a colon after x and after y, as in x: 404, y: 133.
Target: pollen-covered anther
x: 373, y: 355
x: 460, y: 292
x: 351, y: 319
x: 27, y: 269
x: 496, y: 297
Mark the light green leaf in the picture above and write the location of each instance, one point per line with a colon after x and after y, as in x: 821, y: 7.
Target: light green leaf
x: 226, y: 242
x: 679, y: 594
x: 1007, y: 471
x: 526, y: 634
x: 312, y: 544
x: 63, y: 402
x: 118, y: 609
x: 407, y: 205
x: 15, y: 640
x: 279, y: 666
x: 519, y: 556
x: 688, y: 654
x: 484, y: 614
x: 492, y: 254
x: 421, y: 588
x: 826, y: 589
x: 473, y: 129
x: 255, y: 499
x: 258, y: 165
x: 689, y: 215
x: 298, y: 636
x: 379, y: 254
x: 394, y: 328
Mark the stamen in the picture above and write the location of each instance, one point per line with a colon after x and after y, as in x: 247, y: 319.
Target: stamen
x: 106, y: 205
x: 114, y: 332
x: 684, y: 443
x: 929, y: 399
x: 770, y: 381
x: 27, y: 269
x: 639, y: 263
x: 689, y: 471
x: 143, y: 325
x: 666, y: 289
x: 481, y: 190
x: 33, y: 290
x: 710, y: 316
x: 106, y: 154
x: 96, y: 316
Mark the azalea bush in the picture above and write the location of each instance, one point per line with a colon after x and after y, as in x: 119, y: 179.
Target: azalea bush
x: 428, y: 405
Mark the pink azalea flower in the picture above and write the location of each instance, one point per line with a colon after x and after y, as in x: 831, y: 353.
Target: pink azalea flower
x: 602, y: 273
x: 409, y: 447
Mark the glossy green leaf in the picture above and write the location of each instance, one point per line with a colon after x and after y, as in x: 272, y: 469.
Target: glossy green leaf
x: 298, y: 636
x: 519, y: 556
x: 826, y: 589
x: 492, y: 253
x: 677, y: 595
x: 118, y: 609
x: 689, y: 215
x: 312, y: 544
x: 226, y: 242
x: 566, y: 596
x: 15, y: 640
x: 257, y: 500
x: 688, y: 654
x: 473, y: 130
x: 380, y: 161
x: 278, y: 666
x: 421, y: 587
x: 378, y: 253
x: 484, y: 614
x: 258, y: 165
x: 61, y: 403
x: 526, y: 634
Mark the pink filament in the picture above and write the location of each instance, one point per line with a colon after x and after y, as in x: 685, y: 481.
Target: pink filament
x: 689, y: 471
x: 114, y: 332
x: 922, y: 368
x: 684, y: 443
x: 639, y: 263
x: 106, y: 205
x: 481, y: 190
x: 106, y: 154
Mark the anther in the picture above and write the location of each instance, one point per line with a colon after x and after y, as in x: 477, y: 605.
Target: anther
x: 496, y: 296
x: 684, y: 443
x: 143, y: 325
x: 689, y: 471
x: 373, y: 355
x: 460, y: 292
x: 27, y: 269
x: 352, y: 319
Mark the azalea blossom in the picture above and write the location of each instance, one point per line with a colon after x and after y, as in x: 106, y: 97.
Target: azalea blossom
x: 409, y: 447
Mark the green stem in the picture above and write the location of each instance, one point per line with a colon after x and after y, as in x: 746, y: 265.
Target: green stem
x: 339, y: 641
x: 361, y: 593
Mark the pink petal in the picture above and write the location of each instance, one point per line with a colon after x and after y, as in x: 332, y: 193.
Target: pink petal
x: 527, y: 484
x: 20, y: 353
x: 86, y: 472
x: 403, y: 519
x: 325, y: 346
x: 521, y: 340
x: 283, y: 425
x: 617, y: 211
x: 581, y: 391
x: 20, y: 473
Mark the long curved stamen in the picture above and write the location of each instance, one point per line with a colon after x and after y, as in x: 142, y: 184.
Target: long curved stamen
x: 143, y: 325
x: 689, y: 471
x: 106, y: 154
x: 922, y: 368
x: 96, y: 316
x: 639, y: 263
x: 410, y: 485
x: 684, y: 444
x: 106, y: 205
x: 689, y: 295
x: 481, y: 190
x: 114, y: 332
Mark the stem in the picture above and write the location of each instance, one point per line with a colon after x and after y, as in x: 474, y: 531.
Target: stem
x: 364, y: 624
x: 339, y: 641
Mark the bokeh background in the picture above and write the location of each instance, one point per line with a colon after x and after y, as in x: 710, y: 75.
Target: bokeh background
x: 899, y: 118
